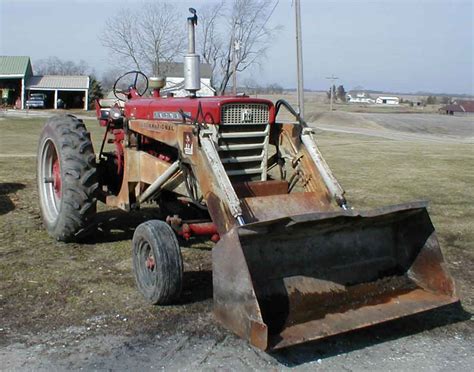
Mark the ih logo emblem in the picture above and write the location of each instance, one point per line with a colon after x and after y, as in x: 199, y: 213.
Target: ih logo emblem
x: 246, y: 115
x: 188, y: 143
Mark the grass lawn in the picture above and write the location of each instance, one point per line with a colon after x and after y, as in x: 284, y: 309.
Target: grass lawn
x: 46, y: 284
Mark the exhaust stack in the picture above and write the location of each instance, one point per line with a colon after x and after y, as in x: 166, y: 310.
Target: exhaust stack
x: 192, y: 78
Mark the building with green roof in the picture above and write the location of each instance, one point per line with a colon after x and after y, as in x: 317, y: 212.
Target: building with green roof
x: 14, y: 74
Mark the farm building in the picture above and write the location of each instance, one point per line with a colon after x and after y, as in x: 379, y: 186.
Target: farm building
x: 73, y: 91
x: 458, y: 107
x: 387, y: 100
x: 14, y: 72
x: 359, y: 97
x: 174, y: 73
x: 17, y: 83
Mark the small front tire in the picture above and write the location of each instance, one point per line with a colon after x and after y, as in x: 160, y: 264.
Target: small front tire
x: 157, y: 262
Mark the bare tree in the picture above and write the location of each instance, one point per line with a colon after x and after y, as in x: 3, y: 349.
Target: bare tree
x: 209, y: 40
x: 244, y: 24
x: 155, y: 33
x: 57, y: 66
x: 146, y: 37
x: 109, y: 77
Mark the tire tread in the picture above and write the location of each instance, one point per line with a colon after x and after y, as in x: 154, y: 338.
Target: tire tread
x: 78, y: 176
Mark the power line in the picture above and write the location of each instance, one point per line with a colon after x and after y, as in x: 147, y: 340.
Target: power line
x: 268, y: 18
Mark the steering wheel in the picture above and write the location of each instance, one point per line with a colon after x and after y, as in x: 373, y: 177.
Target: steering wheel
x: 133, y: 86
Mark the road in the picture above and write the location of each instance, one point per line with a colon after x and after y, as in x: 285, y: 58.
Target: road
x: 397, y: 346
x: 393, y: 135
x: 431, y: 128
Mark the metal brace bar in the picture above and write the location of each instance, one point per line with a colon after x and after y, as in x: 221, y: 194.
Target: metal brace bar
x: 225, y: 186
x: 160, y: 180
x: 328, y: 177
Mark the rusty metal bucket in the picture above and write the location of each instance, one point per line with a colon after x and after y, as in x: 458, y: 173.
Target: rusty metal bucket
x: 295, y: 279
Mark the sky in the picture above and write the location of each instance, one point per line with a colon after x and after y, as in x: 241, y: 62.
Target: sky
x: 389, y: 45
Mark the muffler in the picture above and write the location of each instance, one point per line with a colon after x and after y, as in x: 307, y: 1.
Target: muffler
x: 294, y: 279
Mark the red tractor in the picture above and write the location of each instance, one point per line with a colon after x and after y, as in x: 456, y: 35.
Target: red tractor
x: 293, y: 261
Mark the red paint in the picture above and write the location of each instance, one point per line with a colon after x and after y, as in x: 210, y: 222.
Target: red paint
x: 164, y: 157
x: 160, y: 156
x: 150, y: 263
x: 97, y: 109
x: 205, y: 228
x: 57, y: 177
x: 143, y: 108
x: 119, y: 136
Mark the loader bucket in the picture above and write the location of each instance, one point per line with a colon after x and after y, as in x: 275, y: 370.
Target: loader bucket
x: 283, y: 282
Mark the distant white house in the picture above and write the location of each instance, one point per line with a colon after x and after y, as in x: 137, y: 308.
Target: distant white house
x: 388, y: 101
x: 359, y: 97
x: 174, y: 73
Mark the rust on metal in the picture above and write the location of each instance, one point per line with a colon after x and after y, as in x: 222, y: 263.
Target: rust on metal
x: 318, y: 274
x: 140, y: 169
x: 264, y: 208
x: 405, y: 304
x: 163, y: 131
x: 287, y: 138
x: 260, y: 188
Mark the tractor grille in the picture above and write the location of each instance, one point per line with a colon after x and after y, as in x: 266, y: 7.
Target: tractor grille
x: 243, y: 140
x: 238, y: 113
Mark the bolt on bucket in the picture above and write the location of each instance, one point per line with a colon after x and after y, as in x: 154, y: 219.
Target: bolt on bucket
x: 301, y: 278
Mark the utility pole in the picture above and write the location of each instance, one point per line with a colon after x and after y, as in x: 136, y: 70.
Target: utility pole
x: 236, y: 48
x: 333, y: 79
x: 299, y: 59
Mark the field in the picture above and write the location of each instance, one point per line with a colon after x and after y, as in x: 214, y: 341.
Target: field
x: 75, y: 306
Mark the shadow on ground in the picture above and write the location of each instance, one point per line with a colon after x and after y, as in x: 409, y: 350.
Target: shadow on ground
x: 197, y: 286
x: 6, y: 204
x: 360, y: 339
x: 116, y: 225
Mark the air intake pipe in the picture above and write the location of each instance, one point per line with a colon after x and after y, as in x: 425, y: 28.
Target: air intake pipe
x: 192, y: 78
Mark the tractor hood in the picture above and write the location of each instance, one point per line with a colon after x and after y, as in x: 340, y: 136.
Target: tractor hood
x: 170, y: 108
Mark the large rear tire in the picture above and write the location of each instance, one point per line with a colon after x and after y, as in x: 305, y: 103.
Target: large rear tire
x: 157, y: 262
x: 67, y: 177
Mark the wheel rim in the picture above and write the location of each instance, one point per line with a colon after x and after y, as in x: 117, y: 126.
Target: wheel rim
x: 50, y: 181
x: 147, y: 270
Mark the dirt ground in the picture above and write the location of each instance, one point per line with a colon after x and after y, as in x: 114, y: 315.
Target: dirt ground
x: 75, y: 306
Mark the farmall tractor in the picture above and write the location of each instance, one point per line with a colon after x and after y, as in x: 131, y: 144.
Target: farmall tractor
x: 293, y: 262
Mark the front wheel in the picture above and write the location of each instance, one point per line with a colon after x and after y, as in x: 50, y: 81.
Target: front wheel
x: 157, y: 262
x: 67, y: 177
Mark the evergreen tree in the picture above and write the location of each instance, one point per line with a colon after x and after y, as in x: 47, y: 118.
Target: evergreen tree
x: 95, y: 91
x: 341, y: 93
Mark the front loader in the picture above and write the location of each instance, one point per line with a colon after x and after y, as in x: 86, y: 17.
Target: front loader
x: 293, y: 261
